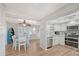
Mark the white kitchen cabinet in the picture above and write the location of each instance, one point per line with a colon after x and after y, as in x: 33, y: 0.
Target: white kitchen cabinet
x: 62, y: 40
x: 49, y: 30
x: 49, y: 42
x: 57, y: 28
x: 55, y: 40
x: 58, y: 40
x: 63, y: 27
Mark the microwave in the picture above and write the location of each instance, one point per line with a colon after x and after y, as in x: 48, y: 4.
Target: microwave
x: 75, y: 27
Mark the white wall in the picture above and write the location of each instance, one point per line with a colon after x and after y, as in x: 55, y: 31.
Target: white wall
x: 43, y: 38
x: 3, y: 32
x: 2, y: 37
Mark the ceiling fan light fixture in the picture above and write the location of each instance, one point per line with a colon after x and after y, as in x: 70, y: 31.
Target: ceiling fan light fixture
x: 24, y: 24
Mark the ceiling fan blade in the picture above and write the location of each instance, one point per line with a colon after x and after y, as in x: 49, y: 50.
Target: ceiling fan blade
x: 28, y: 24
x: 19, y: 23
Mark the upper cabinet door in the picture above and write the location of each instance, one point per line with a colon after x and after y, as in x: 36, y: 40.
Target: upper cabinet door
x: 59, y: 27
x: 63, y: 27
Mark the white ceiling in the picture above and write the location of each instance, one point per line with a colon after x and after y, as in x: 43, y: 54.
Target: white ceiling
x: 71, y: 19
x: 33, y: 11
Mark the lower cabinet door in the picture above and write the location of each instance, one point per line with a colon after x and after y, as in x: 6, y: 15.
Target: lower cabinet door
x: 55, y: 40
x: 62, y: 40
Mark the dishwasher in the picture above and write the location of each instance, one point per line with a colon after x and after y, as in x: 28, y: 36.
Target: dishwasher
x: 49, y: 42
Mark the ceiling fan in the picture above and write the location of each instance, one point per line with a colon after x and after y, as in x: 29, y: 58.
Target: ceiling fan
x: 24, y: 23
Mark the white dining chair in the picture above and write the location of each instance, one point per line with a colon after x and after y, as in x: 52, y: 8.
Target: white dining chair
x: 22, y: 41
x: 27, y: 39
x: 15, y: 42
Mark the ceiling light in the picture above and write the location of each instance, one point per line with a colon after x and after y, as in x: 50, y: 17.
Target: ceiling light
x: 72, y: 22
x: 34, y: 29
x: 24, y: 24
